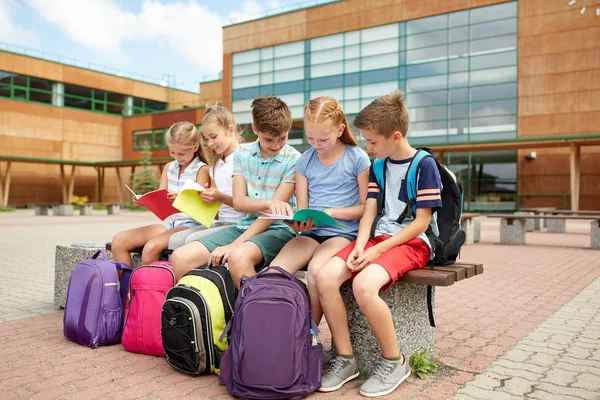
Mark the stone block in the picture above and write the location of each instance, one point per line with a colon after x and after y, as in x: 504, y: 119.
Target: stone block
x: 595, y: 230
x: 469, y: 228
x: 476, y: 229
x: 85, y: 209
x: 113, y: 209
x: 67, y: 257
x: 408, y: 304
x: 556, y: 225
x: 63, y: 210
x: 529, y: 223
x: 512, y: 231
x: 42, y: 210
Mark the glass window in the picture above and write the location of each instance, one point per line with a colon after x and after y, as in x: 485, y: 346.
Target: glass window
x: 40, y: 90
x: 352, y: 106
x: 337, y: 93
x: 4, y: 90
x: 379, y: 32
x: 5, y: 77
x: 376, y: 62
x: 426, y: 39
x: 352, y: 66
x: 459, y: 111
x: 419, y: 99
x: 427, y: 24
x: 380, y: 47
x: 494, y: 60
x: 458, y: 126
x: 431, y: 128
x: 266, y: 53
x: 494, y: 75
x: 458, y: 80
x: 141, y: 138
x: 427, y: 54
x: 289, y: 62
x: 267, y: 65
x: 246, y: 69
x: 352, y: 92
x: 428, y: 114
x: 241, y: 105
x: 506, y: 10
x: 78, y: 97
x: 496, y: 107
x: 152, y: 105
x: 19, y: 80
x: 378, y: 89
x: 488, y: 92
x: 493, y: 29
x: 459, y: 95
x: 327, y: 82
x: 115, y: 103
x: 325, y: 56
x: 289, y: 49
x: 245, y: 57
x: 459, y: 34
x: 248, y: 93
x: 334, y: 68
x: 244, y: 81
x: 428, y: 83
x: 327, y: 42
x: 266, y: 79
x: 293, y: 99
x: 288, y: 87
x: 352, y: 38
x: 504, y: 123
x: 426, y: 69
x: 459, y: 64
x: 352, y: 51
x: 379, y: 75
x: 498, y: 43
x: 459, y: 18
x: 459, y: 49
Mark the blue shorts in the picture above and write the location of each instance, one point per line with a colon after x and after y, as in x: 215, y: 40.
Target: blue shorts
x: 173, y: 222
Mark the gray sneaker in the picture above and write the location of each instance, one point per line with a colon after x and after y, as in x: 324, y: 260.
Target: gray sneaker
x: 341, y: 370
x: 387, y: 377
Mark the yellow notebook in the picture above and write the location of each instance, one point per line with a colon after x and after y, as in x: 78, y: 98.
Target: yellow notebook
x: 189, y: 202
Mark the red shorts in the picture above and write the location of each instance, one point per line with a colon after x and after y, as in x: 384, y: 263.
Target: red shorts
x: 413, y: 254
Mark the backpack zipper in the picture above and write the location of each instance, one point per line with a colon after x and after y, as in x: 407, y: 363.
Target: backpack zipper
x: 208, y: 324
x: 196, y: 317
x: 224, y: 289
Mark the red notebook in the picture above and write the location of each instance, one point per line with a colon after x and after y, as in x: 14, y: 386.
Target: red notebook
x: 157, y: 202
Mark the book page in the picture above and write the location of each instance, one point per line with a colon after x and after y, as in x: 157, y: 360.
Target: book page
x: 189, y: 202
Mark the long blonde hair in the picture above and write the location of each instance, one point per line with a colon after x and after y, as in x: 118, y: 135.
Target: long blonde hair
x: 217, y: 114
x: 185, y: 134
x: 326, y: 109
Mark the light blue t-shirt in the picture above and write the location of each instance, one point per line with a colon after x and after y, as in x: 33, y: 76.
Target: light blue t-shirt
x: 333, y: 186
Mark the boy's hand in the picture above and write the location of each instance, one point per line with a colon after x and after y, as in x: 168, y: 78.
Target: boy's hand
x: 356, y: 253
x: 300, y: 226
x: 366, y: 258
x: 136, y: 203
x: 220, y: 255
x: 280, y: 208
x: 210, y: 195
x: 172, y: 195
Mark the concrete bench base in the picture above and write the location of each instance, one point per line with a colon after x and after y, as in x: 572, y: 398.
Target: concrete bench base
x: 113, y: 209
x: 595, y: 229
x: 512, y: 231
x: 42, y: 209
x: 86, y: 209
x: 476, y: 230
x: 66, y: 258
x: 408, y: 304
x: 530, y: 224
x: 63, y: 210
x: 555, y: 225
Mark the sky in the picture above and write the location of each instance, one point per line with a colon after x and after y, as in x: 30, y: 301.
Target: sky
x: 179, y: 42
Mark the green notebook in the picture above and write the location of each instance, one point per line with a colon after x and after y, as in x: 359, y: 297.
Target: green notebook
x: 319, y: 217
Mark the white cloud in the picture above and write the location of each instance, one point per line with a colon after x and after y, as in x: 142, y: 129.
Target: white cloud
x: 9, y: 32
x: 104, y: 27
x: 251, y: 9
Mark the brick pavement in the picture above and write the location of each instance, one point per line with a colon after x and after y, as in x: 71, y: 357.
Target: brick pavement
x: 479, y: 320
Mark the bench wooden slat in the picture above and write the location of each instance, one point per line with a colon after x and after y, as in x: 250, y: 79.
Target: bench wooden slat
x: 477, y: 268
x: 460, y: 273
x: 429, y: 277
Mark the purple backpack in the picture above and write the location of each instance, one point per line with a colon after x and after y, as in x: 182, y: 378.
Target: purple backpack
x: 270, y: 354
x: 94, y: 307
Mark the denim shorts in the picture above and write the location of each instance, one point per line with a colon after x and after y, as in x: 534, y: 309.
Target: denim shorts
x: 173, y: 222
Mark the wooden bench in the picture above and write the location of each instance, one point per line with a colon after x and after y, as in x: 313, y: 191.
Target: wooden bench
x: 407, y: 300
x: 471, y: 224
x: 512, y: 226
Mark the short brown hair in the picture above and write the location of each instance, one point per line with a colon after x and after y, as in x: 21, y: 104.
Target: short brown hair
x: 386, y: 115
x: 271, y: 115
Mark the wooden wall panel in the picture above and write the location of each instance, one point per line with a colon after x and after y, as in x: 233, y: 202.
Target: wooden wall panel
x: 560, y: 103
x: 20, y: 64
x: 226, y: 81
x: 573, y: 81
x: 559, y: 124
x: 43, y: 131
x: 165, y: 120
x: 210, y: 92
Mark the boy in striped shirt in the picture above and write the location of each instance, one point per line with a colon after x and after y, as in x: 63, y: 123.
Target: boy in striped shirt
x: 375, y: 263
x: 263, y: 180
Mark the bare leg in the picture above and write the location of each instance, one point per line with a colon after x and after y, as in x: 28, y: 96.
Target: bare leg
x: 124, y: 242
x: 242, y: 260
x: 296, y: 254
x: 329, y: 279
x: 321, y: 256
x: 154, y: 246
x: 366, y: 286
x: 188, y: 257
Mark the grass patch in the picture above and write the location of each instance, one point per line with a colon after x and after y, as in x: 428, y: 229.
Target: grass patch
x: 7, y: 209
x: 98, y: 207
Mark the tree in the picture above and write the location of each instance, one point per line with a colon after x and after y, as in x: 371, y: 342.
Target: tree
x: 145, y: 180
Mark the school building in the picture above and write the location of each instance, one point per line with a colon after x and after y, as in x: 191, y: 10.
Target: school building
x: 507, y: 94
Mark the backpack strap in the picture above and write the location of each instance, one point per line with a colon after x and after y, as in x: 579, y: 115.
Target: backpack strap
x: 378, y: 169
x: 410, y: 187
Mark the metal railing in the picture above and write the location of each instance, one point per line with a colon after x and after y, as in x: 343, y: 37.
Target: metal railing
x: 279, y: 10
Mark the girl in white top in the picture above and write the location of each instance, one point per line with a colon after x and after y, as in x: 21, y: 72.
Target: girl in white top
x: 190, y: 161
x: 221, y: 137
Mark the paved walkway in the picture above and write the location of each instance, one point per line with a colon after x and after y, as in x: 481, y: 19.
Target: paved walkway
x: 485, y: 324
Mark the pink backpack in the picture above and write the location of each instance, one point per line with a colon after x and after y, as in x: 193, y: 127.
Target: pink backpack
x: 148, y: 288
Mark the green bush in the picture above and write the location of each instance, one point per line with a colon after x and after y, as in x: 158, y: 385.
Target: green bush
x: 420, y: 365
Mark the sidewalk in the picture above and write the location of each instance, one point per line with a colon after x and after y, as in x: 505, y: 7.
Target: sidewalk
x: 484, y: 324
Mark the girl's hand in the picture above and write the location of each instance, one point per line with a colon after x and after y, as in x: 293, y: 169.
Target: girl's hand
x: 136, y: 203
x: 220, y: 255
x: 300, y: 226
x: 172, y: 195
x: 366, y: 258
x: 210, y: 195
x: 280, y: 208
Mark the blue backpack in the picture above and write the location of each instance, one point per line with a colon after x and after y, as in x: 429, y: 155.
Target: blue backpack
x: 446, y: 245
